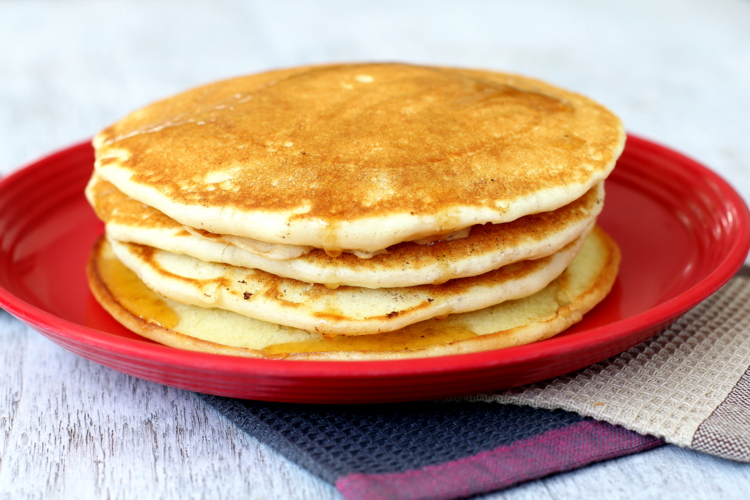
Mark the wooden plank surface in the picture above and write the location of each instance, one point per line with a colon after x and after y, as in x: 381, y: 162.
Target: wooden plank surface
x: 676, y: 71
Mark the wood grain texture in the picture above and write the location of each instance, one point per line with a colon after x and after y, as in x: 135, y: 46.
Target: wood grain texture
x: 74, y: 429
x: 677, y: 71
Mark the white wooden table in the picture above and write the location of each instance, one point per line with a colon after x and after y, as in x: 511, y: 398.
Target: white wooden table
x: 676, y: 71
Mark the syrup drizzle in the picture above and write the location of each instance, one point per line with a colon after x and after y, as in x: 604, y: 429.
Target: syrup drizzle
x: 415, y: 337
x: 133, y: 294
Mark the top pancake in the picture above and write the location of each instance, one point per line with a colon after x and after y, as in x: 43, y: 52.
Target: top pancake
x: 360, y: 156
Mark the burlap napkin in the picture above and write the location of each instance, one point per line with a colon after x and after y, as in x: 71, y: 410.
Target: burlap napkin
x: 689, y: 385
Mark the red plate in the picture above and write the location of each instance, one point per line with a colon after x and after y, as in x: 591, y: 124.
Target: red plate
x: 683, y: 232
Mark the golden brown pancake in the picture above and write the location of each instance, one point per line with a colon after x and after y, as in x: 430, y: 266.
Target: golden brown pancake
x: 487, y: 247
x: 542, y: 315
x: 360, y: 156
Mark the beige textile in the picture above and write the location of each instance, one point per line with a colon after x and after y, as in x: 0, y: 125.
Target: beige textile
x: 689, y: 385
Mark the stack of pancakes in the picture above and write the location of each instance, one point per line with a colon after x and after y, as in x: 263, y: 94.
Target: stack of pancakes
x: 361, y: 211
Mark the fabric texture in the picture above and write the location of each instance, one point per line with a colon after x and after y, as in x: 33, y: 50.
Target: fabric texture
x: 553, y: 451
x: 688, y: 385
x: 430, y: 450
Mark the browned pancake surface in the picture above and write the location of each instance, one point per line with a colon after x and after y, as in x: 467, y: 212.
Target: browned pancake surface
x: 348, y: 142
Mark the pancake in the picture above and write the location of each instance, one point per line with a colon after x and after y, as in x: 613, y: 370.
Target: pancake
x: 585, y: 282
x: 485, y: 248
x: 342, y: 311
x: 360, y: 156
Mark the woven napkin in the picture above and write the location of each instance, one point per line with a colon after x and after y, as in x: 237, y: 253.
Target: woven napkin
x: 688, y: 385
x: 430, y: 450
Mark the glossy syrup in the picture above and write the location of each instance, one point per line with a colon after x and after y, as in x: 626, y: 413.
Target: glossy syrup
x: 133, y: 294
x: 415, y: 337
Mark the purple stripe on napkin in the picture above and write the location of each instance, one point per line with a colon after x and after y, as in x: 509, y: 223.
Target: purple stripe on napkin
x: 554, y: 451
